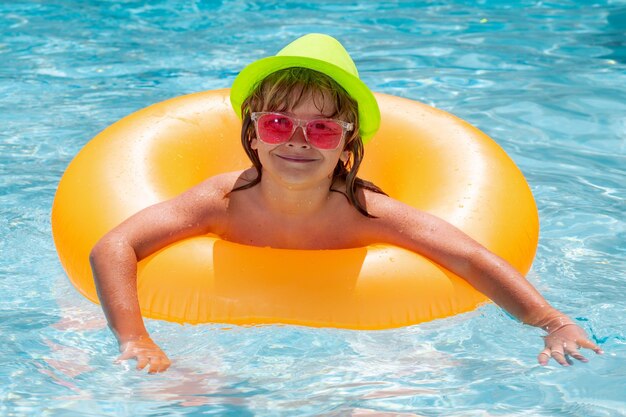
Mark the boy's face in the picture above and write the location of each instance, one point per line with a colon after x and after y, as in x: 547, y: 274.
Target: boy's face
x: 296, y: 163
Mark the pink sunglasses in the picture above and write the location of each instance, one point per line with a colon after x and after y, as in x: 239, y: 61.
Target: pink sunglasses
x: 274, y: 128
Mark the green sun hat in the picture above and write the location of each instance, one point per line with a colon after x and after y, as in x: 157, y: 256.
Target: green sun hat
x: 321, y: 53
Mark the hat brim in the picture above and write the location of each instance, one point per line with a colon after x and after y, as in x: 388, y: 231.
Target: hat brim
x: 250, y: 76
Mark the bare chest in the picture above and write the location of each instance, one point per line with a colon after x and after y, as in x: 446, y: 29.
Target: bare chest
x: 336, y: 227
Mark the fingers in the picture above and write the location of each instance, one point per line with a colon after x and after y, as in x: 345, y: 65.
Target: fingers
x: 557, y: 354
x: 142, y: 361
x: 572, y: 350
x: 544, y: 357
x: 561, y: 351
x: 157, y: 364
x: 127, y: 354
x: 147, y: 355
x: 588, y: 344
x: 160, y: 366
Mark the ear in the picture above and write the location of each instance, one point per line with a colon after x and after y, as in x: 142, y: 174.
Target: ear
x: 345, y: 156
x: 254, y: 144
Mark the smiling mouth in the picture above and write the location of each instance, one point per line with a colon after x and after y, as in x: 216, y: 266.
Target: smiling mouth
x: 301, y: 159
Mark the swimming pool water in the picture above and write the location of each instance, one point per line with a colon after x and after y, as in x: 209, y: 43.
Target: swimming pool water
x: 545, y: 79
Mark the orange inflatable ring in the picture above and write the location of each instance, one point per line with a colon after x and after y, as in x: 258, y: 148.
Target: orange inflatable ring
x: 423, y: 156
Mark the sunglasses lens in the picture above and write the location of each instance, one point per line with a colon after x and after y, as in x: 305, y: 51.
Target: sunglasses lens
x: 274, y: 128
x: 324, y: 134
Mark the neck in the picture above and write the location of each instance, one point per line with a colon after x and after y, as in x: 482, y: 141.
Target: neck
x: 294, y: 200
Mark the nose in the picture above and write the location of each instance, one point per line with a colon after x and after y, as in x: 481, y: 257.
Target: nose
x: 298, y: 139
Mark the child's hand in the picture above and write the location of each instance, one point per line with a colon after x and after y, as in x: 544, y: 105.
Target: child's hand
x: 564, y: 342
x: 146, y: 352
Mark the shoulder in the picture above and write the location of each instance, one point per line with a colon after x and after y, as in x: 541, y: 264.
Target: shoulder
x: 392, y: 219
x: 384, y: 207
x: 205, y: 204
x: 208, y: 198
x: 219, y: 186
x: 377, y: 203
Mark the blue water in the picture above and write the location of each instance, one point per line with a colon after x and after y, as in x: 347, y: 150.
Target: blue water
x: 546, y: 79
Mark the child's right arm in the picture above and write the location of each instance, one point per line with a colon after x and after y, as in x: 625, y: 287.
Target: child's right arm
x: 114, y: 263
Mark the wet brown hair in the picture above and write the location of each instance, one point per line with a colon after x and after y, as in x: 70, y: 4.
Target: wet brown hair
x: 282, y: 91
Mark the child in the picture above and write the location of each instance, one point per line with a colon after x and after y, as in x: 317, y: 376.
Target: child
x: 305, y: 117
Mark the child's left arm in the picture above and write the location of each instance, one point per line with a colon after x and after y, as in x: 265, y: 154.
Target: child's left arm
x: 404, y: 226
